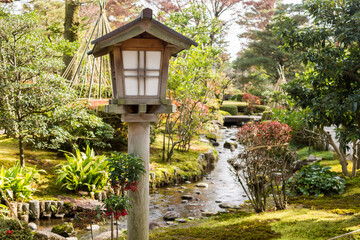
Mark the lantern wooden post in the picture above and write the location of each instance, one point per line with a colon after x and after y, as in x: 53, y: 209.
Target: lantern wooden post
x: 140, y: 52
x: 138, y: 218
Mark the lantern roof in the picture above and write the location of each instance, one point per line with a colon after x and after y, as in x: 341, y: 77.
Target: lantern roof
x: 144, y: 23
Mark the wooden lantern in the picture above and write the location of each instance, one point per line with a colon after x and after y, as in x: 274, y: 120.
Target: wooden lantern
x: 140, y: 52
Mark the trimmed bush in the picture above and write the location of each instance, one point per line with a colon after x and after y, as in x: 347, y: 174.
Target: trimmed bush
x: 243, y: 107
x: 259, y: 108
x: 230, y: 108
x: 10, y: 230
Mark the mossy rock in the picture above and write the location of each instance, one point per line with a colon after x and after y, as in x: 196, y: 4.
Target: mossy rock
x: 211, y: 136
x: 65, y: 230
x: 229, y: 144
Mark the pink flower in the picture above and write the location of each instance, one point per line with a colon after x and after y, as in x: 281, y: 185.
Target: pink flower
x: 8, y: 232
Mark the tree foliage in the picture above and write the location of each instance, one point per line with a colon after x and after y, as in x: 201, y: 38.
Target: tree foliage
x: 36, y: 104
x: 260, y: 63
x: 331, y: 51
x: 195, y: 78
x: 29, y: 87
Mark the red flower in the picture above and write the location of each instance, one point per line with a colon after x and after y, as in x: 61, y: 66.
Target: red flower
x: 124, y: 212
x: 131, y: 186
x: 8, y: 232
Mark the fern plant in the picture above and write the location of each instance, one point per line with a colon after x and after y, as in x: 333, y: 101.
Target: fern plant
x: 17, y: 182
x: 83, y: 171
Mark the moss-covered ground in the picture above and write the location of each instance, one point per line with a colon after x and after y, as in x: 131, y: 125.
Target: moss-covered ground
x: 323, y: 217
x: 306, y: 218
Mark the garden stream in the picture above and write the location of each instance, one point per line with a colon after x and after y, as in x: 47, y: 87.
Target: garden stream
x: 221, y: 189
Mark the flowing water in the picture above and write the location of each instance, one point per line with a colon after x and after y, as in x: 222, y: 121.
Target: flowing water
x: 221, y: 189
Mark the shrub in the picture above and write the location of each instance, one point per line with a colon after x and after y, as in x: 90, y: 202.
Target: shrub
x: 17, y: 182
x: 266, y: 115
x: 230, y: 108
x: 264, y: 165
x: 264, y: 134
x: 315, y: 180
x: 83, y: 171
x: 259, y: 108
x: 10, y: 230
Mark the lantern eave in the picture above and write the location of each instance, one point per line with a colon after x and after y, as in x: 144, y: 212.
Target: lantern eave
x: 144, y: 23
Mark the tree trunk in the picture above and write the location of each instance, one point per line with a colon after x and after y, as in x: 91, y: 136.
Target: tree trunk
x: 358, y: 156
x: 339, y: 151
x: 21, y: 151
x: 71, y: 26
x: 354, y: 159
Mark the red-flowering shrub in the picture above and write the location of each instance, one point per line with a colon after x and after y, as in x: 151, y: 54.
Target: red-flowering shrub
x: 265, y: 165
x: 264, y: 134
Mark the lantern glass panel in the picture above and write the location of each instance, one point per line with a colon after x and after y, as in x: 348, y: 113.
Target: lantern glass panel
x: 131, y: 86
x: 130, y: 59
x: 153, y: 60
x: 152, y: 84
x: 141, y: 72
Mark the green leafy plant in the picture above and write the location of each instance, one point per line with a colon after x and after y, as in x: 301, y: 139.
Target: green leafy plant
x: 315, y: 180
x: 18, y: 183
x: 83, y: 171
x: 125, y: 171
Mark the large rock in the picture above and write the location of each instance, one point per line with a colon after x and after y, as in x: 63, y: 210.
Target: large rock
x: 187, y: 197
x: 105, y: 235
x: 154, y: 225
x: 181, y: 220
x: 33, y: 226
x: 171, y: 215
x: 34, y: 210
x: 202, y: 185
x: 208, y: 214
x: 65, y: 230
x: 42, y: 235
x: 230, y: 145
x: 94, y: 227
x: 225, y: 205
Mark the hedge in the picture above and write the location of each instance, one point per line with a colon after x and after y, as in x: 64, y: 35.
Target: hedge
x: 230, y: 108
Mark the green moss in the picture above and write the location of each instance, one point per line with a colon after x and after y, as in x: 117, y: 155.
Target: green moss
x: 303, y: 153
x: 211, y: 136
x: 65, y: 230
x: 311, y: 229
x: 246, y: 230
